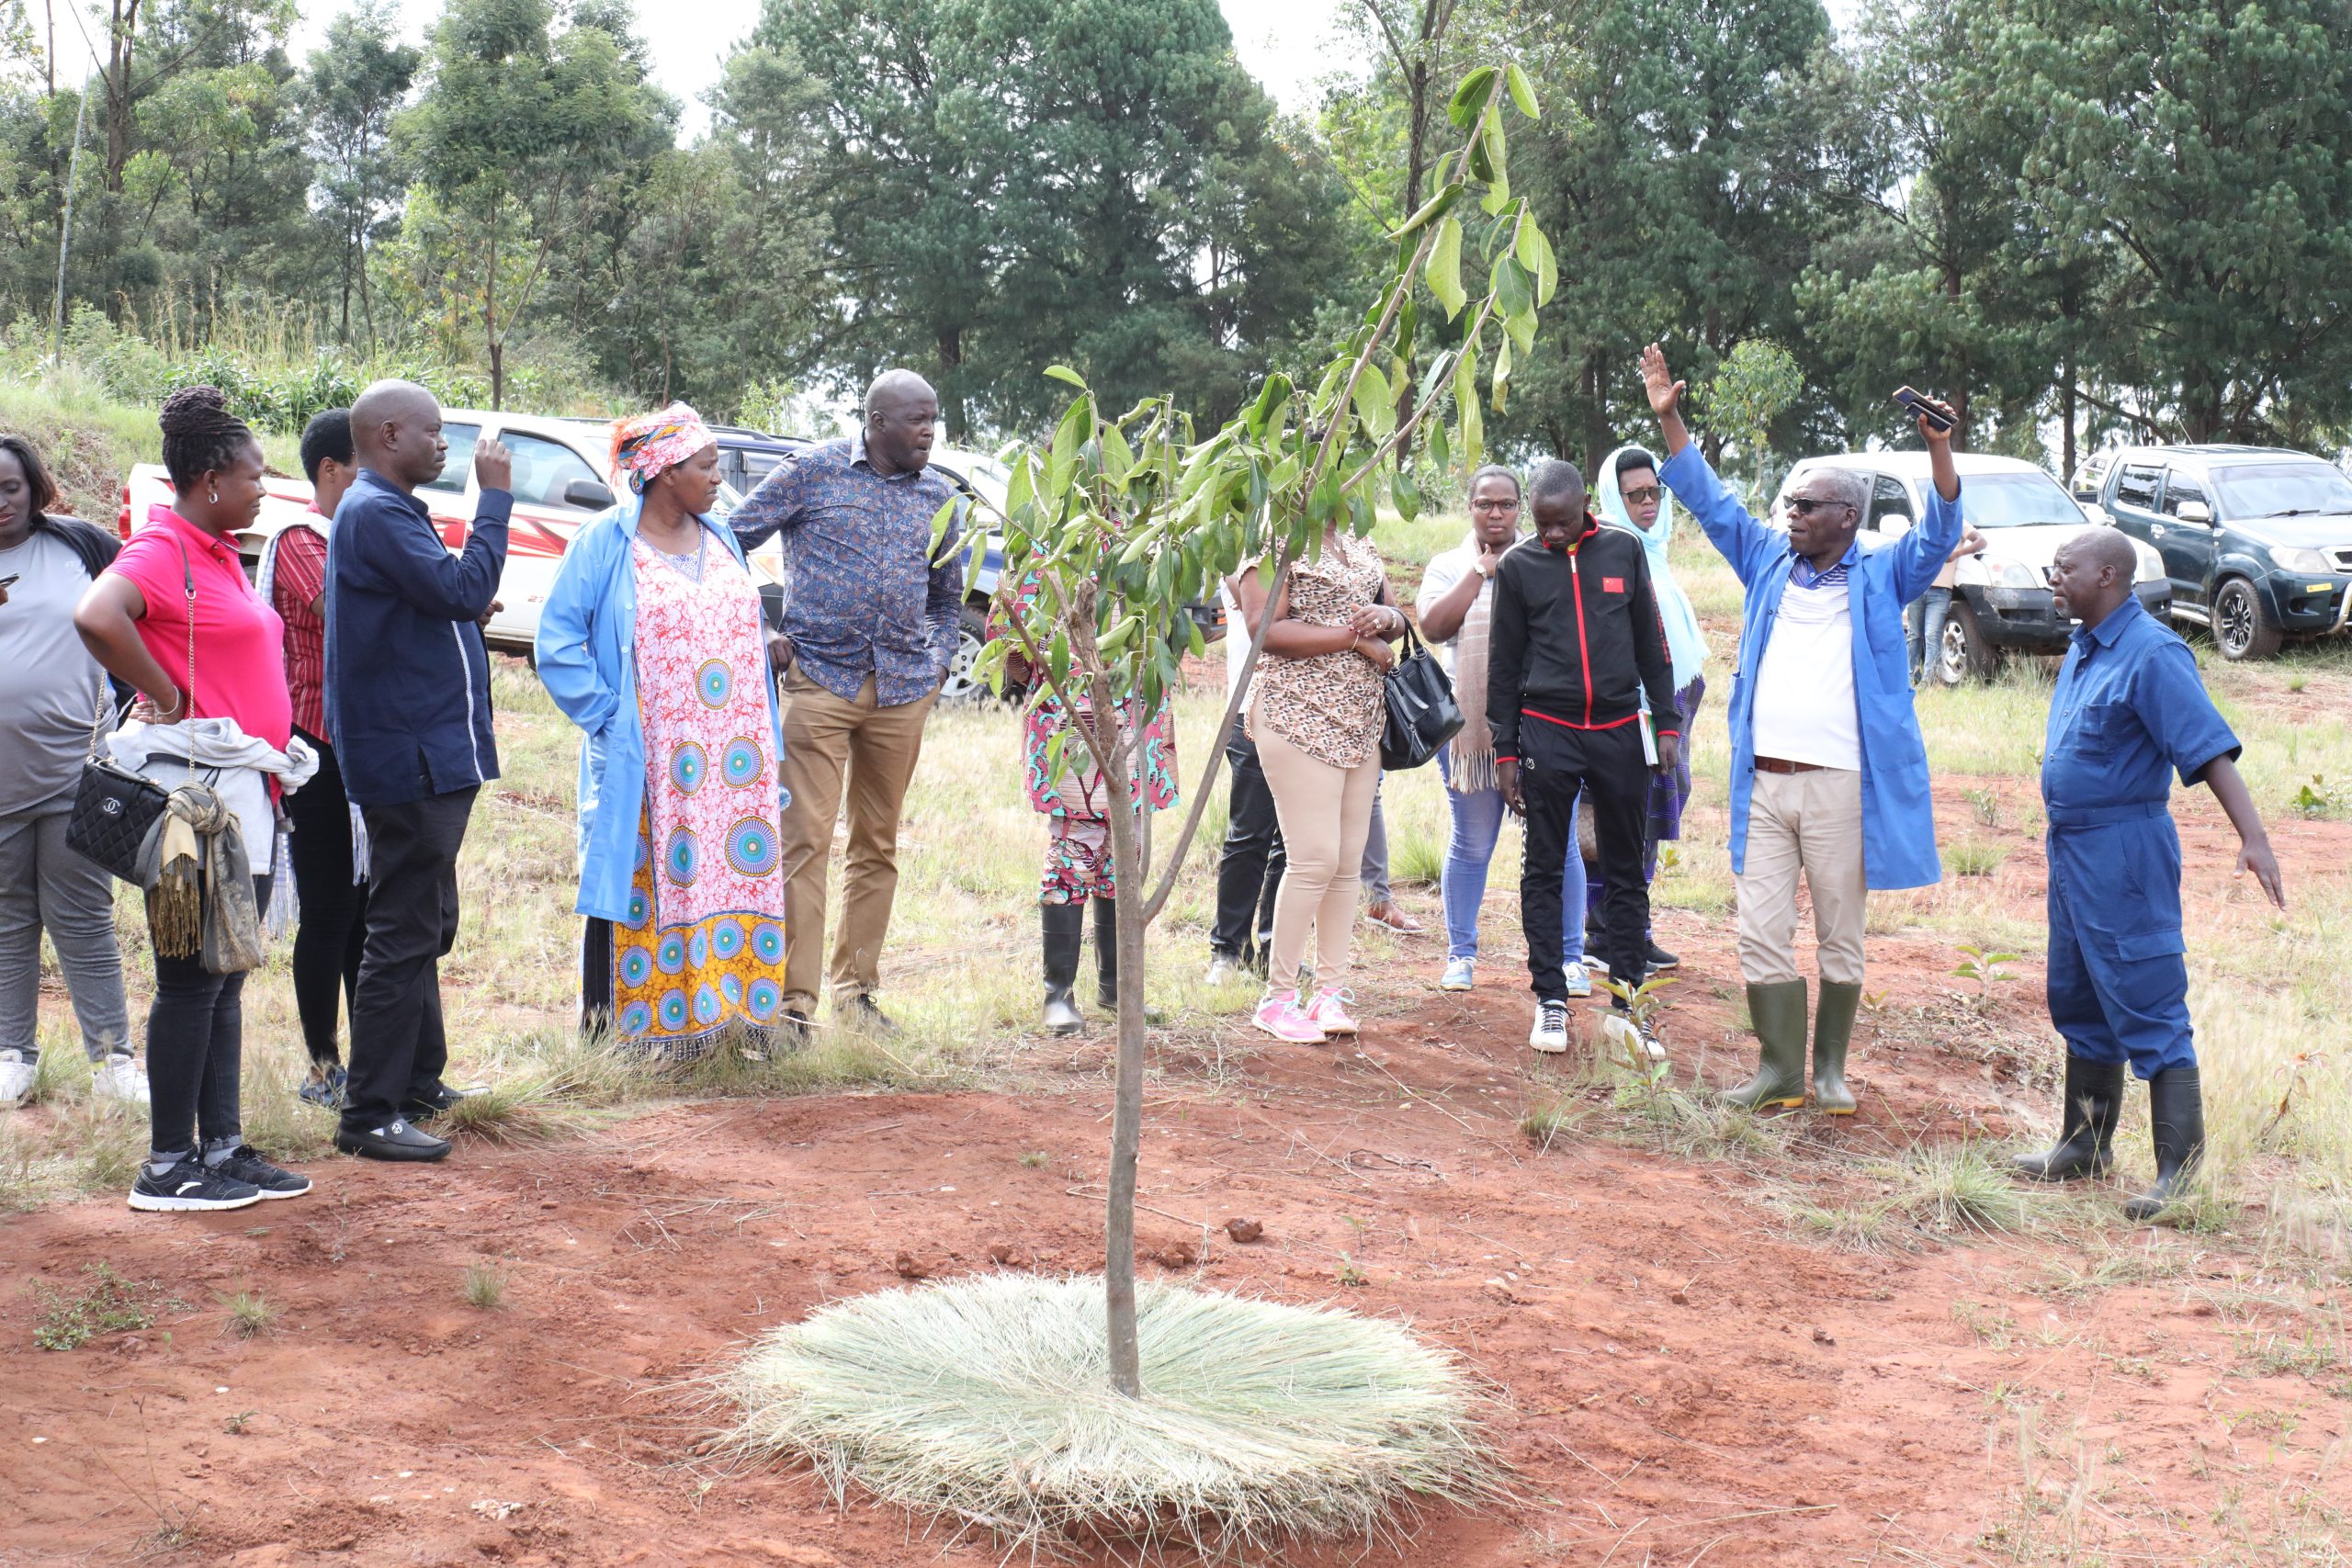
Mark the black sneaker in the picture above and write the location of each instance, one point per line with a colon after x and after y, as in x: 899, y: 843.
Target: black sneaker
x: 439, y: 1101
x: 190, y: 1187
x: 246, y: 1165
x: 1661, y: 959
x: 395, y: 1140
x: 865, y: 1014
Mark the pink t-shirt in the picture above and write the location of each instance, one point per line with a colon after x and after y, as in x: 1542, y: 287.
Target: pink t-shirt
x: 239, y: 641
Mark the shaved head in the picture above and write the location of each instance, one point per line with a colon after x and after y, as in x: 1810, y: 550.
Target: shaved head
x: 396, y: 430
x: 895, y: 388
x: 901, y: 417
x: 2105, y: 546
x: 2090, y: 575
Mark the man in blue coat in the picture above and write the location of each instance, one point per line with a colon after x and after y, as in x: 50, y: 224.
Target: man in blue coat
x: 408, y: 710
x: 2129, y: 712
x: 1828, y: 772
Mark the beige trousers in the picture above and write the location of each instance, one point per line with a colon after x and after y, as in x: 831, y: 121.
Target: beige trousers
x: 1810, y: 822
x: 874, y: 748
x: 1326, y: 813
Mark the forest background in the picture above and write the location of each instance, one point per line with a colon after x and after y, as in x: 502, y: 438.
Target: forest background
x: 2080, y: 220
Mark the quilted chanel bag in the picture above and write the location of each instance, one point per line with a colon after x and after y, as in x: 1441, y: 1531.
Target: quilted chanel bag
x: 113, y: 807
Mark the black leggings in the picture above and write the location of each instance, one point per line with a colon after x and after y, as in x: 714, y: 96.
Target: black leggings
x: 334, y: 911
x: 196, y: 1051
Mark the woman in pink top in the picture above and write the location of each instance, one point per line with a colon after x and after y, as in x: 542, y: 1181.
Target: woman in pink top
x: 178, y: 585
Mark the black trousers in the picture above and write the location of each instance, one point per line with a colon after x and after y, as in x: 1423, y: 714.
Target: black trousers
x: 1249, y: 871
x: 327, y: 943
x: 1556, y: 763
x: 196, y: 1051
x: 398, y: 1044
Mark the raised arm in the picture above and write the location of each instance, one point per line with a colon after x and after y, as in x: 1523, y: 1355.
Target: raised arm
x: 403, y: 550
x: 1920, y: 555
x: 1737, y: 536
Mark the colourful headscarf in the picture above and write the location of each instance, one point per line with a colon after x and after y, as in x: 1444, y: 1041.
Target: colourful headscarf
x: 650, y: 444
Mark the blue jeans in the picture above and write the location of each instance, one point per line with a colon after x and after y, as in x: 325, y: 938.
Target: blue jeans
x: 1477, y: 823
x: 1923, y: 629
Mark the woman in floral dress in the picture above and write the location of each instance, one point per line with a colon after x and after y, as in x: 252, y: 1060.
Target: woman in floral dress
x: 653, y: 644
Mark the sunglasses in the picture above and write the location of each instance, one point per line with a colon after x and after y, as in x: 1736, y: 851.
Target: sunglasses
x: 1640, y: 494
x: 1805, y: 506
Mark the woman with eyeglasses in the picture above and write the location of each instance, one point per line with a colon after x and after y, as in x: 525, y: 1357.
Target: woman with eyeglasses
x: 1454, y: 605
x: 1629, y: 496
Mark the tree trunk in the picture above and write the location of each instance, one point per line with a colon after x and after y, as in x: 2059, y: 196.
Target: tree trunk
x: 1111, y: 749
x: 2066, y: 421
x: 492, y: 340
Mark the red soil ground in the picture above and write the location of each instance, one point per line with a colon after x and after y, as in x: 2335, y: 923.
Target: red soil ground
x: 1687, y: 1381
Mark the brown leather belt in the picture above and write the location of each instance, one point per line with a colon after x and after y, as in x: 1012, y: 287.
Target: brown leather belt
x: 1778, y: 765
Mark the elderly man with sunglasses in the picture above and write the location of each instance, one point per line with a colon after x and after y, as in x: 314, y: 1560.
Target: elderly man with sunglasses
x: 1828, y: 772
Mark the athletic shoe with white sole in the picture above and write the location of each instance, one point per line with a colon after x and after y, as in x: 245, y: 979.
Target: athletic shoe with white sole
x: 1549, y: 1034
x: 1632, y: 1040
x: 1329, y: 1010
x: 1225, y: 970
x: 1580, y: 979
x: 1279, y: 1016
x: 16, y: 1076
x: 246, y: 1165
x: 1460, y: 974
x: 190, y: 1187
x: 120, y: 1078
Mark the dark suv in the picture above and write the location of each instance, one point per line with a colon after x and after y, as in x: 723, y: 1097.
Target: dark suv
x: 2256, y: 540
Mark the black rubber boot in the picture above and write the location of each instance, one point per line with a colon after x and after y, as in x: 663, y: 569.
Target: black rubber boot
x: 1777, y: 1010
x: 1064, y: 928
x: 2176, y: 1117
x: 1107, y: 959
x: 1833, y: 1029
x: 2085, y: 1145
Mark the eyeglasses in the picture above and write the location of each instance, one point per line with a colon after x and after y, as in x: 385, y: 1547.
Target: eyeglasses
x: 1642, y: 494
x: 1805, y: 506
x: 1511, y: 505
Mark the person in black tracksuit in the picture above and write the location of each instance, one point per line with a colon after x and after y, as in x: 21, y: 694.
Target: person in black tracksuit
x: 1575, y: 643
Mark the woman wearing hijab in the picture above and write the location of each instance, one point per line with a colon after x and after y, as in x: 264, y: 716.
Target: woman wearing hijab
x: 653, y: 643
x: 1629, y: 496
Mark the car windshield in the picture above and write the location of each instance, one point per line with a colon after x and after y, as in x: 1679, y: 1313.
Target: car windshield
x: 2283, y: 490
x: 2017, y: 501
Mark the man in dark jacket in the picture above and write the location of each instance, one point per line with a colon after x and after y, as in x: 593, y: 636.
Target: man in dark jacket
x: 1577, y: 643
x: 408, y: 710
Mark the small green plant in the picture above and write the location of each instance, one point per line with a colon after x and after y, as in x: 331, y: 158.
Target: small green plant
x: 1669, y: 858
x: 2319, y: 798
x: 1036, y: 1159
x: 235, y: 1424
x: 2297, y: 681
x: 250, y: 1314
x: 1551, y: 1121
x: 1643, y: 1007
x: 111, y: 1304
x: 1987, y: 806
x: 1974, y: 857
x: 1984, y: 968
x: 1350, y: 1275
x: 484, y: 1287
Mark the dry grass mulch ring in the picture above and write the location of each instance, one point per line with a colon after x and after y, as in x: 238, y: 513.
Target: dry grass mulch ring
x: 987, y: 1401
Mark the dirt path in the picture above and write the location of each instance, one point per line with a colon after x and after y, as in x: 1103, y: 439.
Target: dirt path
x: 1687, y: 1382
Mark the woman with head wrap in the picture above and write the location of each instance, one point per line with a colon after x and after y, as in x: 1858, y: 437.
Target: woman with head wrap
x: 653, y: 643
x: 1627, y: 495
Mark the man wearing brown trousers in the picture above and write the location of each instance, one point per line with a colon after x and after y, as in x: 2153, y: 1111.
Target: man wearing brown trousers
x: 870, y: 614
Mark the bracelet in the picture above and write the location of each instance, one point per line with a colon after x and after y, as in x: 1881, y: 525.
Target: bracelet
x: 179, y: 706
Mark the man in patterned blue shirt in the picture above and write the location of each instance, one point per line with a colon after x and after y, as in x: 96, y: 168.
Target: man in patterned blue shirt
x: 2129, y: 712
x: 870, y: 613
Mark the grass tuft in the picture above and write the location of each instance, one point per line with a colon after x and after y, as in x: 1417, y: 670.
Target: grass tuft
x: 1945, y: 1188
x: 251, y: 1314
x: 484, y: 1286
x: 1974, y: 857
x: 987, y: 1402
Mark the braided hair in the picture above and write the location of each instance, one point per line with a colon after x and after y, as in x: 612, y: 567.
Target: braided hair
x: 201, y: 436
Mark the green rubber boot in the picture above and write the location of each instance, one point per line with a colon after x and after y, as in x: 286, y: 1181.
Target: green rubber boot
x: 1777, y: 1009
x: 1833, y: 1026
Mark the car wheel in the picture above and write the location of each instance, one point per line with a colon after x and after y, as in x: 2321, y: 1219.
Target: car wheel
x: 971, y: 636
x: 1965, y: 654
x: 2240, y: 628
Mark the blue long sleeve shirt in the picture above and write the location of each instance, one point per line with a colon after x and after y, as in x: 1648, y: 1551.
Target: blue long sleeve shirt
x: 1898, y: 824
x: 408, y: 675
x: 865, y: 593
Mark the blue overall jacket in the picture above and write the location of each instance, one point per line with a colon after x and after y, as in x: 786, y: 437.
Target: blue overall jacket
x: 1898, y: 822
x: 587, y: 656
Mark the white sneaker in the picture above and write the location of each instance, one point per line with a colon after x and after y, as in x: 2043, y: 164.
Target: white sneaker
x: 1223, y: 971
x: 1458, y: 974
x: 119, y: 1078
x: 16, y: 1077
x: 1580, y: 979
x: 1631, y: 1040
x: 1551, y: 1032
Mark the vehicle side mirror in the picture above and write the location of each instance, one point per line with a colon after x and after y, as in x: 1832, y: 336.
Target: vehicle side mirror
x: 588, y: 493
x: 2195, y: 511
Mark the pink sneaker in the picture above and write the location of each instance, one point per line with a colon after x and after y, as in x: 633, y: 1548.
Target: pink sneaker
x: 1279, y: 1016
x: 1329, y: 1010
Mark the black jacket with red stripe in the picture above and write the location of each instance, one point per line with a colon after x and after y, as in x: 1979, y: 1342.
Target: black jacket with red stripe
x: 1576, y: 639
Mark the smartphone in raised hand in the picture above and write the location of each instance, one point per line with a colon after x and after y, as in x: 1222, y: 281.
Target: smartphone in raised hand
x: 1922, y: 408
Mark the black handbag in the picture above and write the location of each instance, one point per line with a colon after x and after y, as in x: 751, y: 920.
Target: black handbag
x: 114, y: 808
x: 1422, y: 714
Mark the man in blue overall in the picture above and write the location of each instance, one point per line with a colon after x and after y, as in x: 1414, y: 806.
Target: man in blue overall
x: 1828, y: 770
x: 2128, y: 707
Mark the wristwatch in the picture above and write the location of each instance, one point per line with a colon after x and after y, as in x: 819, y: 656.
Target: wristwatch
x: 1482, y: 569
